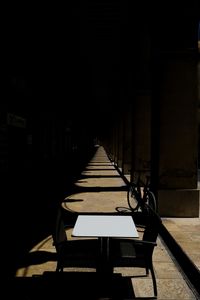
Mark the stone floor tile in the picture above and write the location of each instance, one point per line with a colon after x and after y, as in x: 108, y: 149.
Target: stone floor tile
x: 167, y: 288
x: 166, y: 270
x: 190, y: 247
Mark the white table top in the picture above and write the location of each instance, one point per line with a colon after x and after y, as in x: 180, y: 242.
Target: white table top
x: 105, y: 226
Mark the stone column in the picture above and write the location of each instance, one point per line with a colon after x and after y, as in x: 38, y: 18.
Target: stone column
x: 142, y: 133
x: 178, y: 139
x: 120, y: 143
x: 127, y: 143
x: 115, y: 142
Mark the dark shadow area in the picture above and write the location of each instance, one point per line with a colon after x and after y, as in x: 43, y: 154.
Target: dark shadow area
x: 96, y: 189
x: 99, y: 163
x: 29, y: 199
x: 36, y: 258
x: 71, y: 200
x: 71, y: 285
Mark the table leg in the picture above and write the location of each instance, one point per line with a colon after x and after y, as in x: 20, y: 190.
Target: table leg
x: 105, y: 266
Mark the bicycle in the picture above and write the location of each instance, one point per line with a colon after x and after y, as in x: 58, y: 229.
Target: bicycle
x: 139, y: 195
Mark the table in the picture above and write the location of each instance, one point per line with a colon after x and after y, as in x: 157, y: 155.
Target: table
x: 105, y: 227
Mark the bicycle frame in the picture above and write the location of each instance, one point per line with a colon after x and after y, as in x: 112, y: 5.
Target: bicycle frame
x: 139, y: 195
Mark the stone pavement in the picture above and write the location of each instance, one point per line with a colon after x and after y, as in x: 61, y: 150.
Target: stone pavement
x: 101, y: 189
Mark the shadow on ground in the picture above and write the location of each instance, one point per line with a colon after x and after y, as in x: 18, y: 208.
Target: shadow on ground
x: 29, y: 200
x: 72, y: 285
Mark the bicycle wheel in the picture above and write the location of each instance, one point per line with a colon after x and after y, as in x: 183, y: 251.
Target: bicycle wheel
x: 133, y: 197
x: 150, y: 200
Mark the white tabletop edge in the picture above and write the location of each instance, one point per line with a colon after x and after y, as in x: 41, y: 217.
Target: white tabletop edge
x: 105, y: 226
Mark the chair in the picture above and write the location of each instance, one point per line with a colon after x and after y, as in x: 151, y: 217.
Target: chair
x: 138, y: 253
x: 81, y: 253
